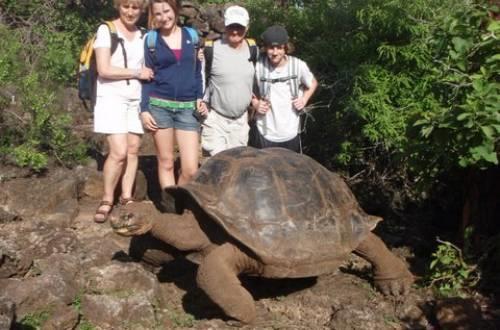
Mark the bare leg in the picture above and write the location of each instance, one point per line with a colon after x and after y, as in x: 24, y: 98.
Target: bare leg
x: 164, y: 142
x: 113, y: 168
x: 128, y: 179
x: 189, y: 149
x: 218, y: 277
x: 391, y: 275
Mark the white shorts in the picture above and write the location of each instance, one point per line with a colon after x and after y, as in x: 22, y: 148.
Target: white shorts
x: 221, y: 133
x: 113, y: 115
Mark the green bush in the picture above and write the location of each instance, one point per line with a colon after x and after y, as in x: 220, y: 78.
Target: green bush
x: 41, y: 131
x: 449, y: 273
x: 41, y: 43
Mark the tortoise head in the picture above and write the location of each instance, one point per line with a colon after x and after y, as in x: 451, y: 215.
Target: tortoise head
x: 133, y: 219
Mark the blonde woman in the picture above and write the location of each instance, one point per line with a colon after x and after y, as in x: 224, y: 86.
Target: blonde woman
x: 116, y: 112
x: 171, y: 103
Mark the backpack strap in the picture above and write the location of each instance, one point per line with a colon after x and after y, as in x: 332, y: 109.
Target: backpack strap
x: 195, y: 38
x: 208, y: 53
x: 254, y: 50
x: 114, y: 36
x: 293, y: 72
x: 263, y: 75
x: 115, y: 41
x: 151, y: 38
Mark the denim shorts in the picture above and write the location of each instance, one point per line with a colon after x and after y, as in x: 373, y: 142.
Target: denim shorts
x: 182, y: 119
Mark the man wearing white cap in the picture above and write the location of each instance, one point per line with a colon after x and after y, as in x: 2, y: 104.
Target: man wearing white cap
x: 229, y: 86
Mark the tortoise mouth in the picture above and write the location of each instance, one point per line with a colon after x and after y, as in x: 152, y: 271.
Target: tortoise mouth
x: 128, y: 224
x: 120, y: 223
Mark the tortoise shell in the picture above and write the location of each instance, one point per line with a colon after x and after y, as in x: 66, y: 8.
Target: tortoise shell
x: 297, y: 217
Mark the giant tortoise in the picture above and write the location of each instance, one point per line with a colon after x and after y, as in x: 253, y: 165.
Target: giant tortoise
x: 271, y: 213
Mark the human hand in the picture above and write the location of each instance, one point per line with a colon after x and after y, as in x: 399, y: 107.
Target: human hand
x: 263, y: 107
x: 148, y: 121
x: 201, y: 107
x: 299, y: 103
x: 145, y: 73
x: 201, y: 55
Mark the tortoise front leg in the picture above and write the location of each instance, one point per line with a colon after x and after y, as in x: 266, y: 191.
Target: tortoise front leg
x: 218, y: 277
x: 390, y: 274
x: 151, y: 250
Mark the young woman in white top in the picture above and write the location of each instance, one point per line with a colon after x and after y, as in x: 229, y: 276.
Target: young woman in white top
x: 116, y: 112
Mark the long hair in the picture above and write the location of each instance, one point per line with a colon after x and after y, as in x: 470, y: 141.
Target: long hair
x: 174, y: 4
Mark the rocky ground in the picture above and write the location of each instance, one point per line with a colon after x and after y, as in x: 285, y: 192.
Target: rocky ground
x: 60, y: 270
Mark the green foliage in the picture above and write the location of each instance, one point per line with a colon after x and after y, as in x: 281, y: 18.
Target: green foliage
x: 412, y: 88
x: 41, y: 131
x: 181, y: 320
x: 431, y: 95
x: 77, y: 302
x: 52, y: 33
x: 41, y: 42
x: 449, y: 274
x: 34, y: 321
x: 85, y: 325
x: 10, y: 63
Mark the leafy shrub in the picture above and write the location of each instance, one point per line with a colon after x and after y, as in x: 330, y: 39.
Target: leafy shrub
x: 449, y: 273
x: 34, y: 320
x: 41, y: 131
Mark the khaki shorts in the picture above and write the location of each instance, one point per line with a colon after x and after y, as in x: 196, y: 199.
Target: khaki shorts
x: 220, y: 133
x: 113, y: 115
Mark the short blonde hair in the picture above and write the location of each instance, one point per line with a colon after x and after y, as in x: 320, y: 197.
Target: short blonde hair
x: 141, y: 3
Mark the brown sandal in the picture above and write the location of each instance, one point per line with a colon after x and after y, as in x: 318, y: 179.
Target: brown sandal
x: 101, y: 215
x: 125, y: 201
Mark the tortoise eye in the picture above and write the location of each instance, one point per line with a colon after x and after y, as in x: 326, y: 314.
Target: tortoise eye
x: 127, y: 216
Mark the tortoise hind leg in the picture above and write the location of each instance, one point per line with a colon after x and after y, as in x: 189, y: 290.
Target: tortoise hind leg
x: 218, y: 277
x: 390, y: 274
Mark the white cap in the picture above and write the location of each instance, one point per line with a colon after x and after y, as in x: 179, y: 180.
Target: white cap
x: 236, y: 15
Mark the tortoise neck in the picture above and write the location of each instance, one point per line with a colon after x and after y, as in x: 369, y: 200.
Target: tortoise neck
x: 180, y: 231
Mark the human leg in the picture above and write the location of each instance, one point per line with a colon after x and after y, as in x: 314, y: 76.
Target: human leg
x: 164, y: 142
x: 187, y: 127
x: 237, y: 133
x: 213, y: 135
x: 189, y: 146
x: 128, y: 179
x: 113, y: 167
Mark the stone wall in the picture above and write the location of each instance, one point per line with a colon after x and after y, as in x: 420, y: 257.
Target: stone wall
x: 207, y: 19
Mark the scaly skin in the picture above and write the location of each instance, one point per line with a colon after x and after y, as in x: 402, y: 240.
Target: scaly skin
x: 221, y: 264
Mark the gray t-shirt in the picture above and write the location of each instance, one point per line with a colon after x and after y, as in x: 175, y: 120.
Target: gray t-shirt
x: 231, y: 79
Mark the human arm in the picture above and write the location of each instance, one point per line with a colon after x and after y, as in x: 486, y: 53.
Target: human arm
x: 105, y: 69
x: 300, y: 102
x: 310, y: 84
x: 147, y: 85
x: 201, y: 107
x: 260, y: 105
x: 198, y: 75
